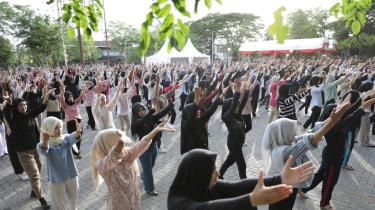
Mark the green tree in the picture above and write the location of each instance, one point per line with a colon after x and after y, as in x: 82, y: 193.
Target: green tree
x: 90, y: 52
x: 307, y: 23
x: 6, y: 16
x: 6, y: 52
x: 230, y: 30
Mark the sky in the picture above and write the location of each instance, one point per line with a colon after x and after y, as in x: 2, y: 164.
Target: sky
x: 134, y: 12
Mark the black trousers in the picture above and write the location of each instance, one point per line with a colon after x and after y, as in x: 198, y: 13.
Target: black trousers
x: 248, y: 122
x: 235, y: 156
x: 145, y: 92
x: 287, y: 203
x: 54, y: 114
x: 182, y: 100
x: 14, y: 160
x: 306, y: 104
x: 313, y: 118
x: 329, y: 174
x: 71, y: 127
x: 91, y: 121
x: 254, y: 104
x: 330, y: 101
x: 172, y: 114
x: 263, y: 93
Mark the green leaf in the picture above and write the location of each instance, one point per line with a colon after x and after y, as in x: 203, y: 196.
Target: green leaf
x: 83, y: 22
x: 66, y: 7
x: 345, y: 2
x: 183, y: 27
x: 347, y: 24
x: 162, y: 1
x: 71, y: 32
x: 277, y: 28
x: 87, y: 32
x: 164, y: 11
x: 166, y: 32
x: 50, y: 2
x: 184, y: 12
x: 66, y: 16
x: 170, y: 45
x: 334, y: 8
x: 155, y: 8
x: 149, y: 18
x: 76, y: 21
x: 196, y: 6
x: 167, y: 21
x: 350, y: 15
x: 356, y: 27
x: 180, y: 39
x: 99, y: 3
x: 219, y: 1
x: 181, y: 7
x: 208, y: 3
x: 361, y: 18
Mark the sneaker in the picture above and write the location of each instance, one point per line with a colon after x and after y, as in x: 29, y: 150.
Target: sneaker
x: 328, y: 207
x: 209, y: 134
x: 87, y: 125
x: 79, y: 156
x: 94, y: 129
x: 244, y: 145
x: 302, y: 194
x: 161, y: 150
x: 32, y: 194
x: 307, y: 115
x: 23, y: 176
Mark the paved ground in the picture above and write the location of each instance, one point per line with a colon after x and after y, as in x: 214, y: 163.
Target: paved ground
x: 354, y: 190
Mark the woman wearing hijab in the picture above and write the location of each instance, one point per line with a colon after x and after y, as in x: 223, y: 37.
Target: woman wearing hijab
x: 317, y: 99
x: 102, y: 111
x: 141, y: 125
x: 116, y: 164
x: 285, y: 101
x: 196, y: 185
x: 193, y: 125
x: 333, y: 153
x: 274, y: 86
x: 255, y: 94
x: 53, y: 105
x: 89, y: 99
x: 26, y: 136
x: 280, y: 142
x: 235, y: 124
x: 62, y: 171
x: 72, y: 113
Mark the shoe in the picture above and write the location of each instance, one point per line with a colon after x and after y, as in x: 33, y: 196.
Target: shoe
x: 23, y: 176
x: 94, y: 129
x: 44, y: 204
x: 161, y: 150
x: 244, y: 145
x: 299, y: 112
x: 328, y: 207
x: 302, y: 194
x: 79, y: 156
x: 307, y: 115
x: 87, y: 125
x: 209, y: 134
x: 153, y: 193
x: 32, y: 194
x: 348, y: 167
x: 5, y: 153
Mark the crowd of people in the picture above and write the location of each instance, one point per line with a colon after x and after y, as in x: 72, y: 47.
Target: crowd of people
x: 339, y: 93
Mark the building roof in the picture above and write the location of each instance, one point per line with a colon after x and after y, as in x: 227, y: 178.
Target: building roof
x: 102, y: 44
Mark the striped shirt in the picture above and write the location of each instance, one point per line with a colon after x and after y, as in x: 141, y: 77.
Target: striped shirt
x: 286, y: 107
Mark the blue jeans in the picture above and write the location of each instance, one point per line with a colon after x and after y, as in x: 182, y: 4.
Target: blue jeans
x: 148, y: 161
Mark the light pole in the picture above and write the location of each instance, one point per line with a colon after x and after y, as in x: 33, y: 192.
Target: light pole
x: 228, y: 55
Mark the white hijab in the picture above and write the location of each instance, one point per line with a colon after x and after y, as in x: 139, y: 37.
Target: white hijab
x: 103, y: 143
x: 279, y: 132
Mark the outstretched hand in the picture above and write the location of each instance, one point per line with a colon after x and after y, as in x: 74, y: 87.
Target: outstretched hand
x: 263, y: 195
x: 46, y: 135
x: 162, y: 127
x: 292, y: 176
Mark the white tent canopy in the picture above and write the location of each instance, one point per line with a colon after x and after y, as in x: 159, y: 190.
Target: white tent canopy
x: 290, y: 45
x: 188, y: 55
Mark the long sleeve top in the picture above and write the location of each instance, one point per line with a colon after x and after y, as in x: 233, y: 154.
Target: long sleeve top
x: 196, y: 133
x: 120, y: 176
x: 52, y: 105
x: 286, y: 106
x: 103, y: 114
x: 273, y: 90
x: 89, y: 97
x: 236, y: 129
x: 60, y: 162
x: 123, y: 103
x: 161, y: 101
x: 330, y: 90
x: 71, y: 112
x: 226, y: 195
x: 24, y: 127
x: 316, y: 96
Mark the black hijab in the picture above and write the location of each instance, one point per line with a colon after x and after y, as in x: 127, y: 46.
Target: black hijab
x: 326, y: 112
x: 66, y: 96
x: 194, y: 176
x: 15, y: 113
x: 185, y: 113
x: 190, y: 97
x: 135, y: 116
x: 52, y: 97
x: 226, y: 106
